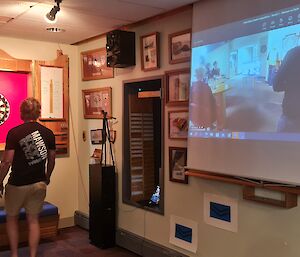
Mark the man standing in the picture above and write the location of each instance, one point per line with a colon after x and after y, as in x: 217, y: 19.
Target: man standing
x: 287, y: 80
x: 28, y: 148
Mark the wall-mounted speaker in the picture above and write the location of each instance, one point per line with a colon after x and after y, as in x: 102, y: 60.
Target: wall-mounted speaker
x: 120, y: 46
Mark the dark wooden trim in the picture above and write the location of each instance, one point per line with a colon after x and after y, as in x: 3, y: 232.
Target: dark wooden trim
x: 289, y: 199
x: 247, y: 182
x: 143, y: 79
x: 290, y: 193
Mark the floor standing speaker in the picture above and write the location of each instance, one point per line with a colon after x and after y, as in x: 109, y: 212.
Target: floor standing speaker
x: 120, y: 46
x: 102, y: 212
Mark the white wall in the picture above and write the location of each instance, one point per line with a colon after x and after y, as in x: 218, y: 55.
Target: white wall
x: 263, y: 231
x: 63, y: 189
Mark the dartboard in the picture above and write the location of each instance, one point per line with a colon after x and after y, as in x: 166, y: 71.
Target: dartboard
x: 4, y: 109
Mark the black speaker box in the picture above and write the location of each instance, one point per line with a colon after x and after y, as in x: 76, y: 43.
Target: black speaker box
x: 120, y: 46
x: 102, y: 225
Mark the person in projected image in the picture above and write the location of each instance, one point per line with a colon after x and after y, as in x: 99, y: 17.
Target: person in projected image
x: 215, y: 72
x: 203, y: 103
x: 287, y: 80
x: 208, y: 74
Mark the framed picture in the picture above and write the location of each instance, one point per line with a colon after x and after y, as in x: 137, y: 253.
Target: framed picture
x: 178, y: 124
x: 52, y: 93
x: 97, y: 136
x: 150, y: 51
x: 180, y: 46
x: 177, y: 87
x: 95, y: 102
x: 177, y: 162
x: 94, y: 66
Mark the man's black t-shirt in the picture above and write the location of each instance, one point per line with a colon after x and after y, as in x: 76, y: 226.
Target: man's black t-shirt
x: 31, y: 142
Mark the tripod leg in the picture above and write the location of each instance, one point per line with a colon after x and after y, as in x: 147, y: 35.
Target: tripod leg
x: 110, y: 147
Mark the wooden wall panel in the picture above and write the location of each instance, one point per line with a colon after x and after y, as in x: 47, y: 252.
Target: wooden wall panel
x: 60, y: 127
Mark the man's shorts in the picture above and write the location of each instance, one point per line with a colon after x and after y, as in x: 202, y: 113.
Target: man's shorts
x: 31, y: 197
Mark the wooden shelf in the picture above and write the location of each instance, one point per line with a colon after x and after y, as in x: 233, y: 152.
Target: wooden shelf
x: 289, y: 192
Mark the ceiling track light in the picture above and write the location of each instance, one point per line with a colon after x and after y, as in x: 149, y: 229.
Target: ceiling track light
x: 50, y: 17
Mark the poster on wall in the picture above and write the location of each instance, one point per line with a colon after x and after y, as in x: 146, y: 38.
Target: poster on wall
x: 13, y: 90
x: 52, y: 93
x: 221, y: 212
x: 184, y: 233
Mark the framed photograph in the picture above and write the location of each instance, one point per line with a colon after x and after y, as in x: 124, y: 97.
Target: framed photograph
x: 150, y: 51
x: 95, y: 102
x: 177, y: 87
x: 177, y: 162
x: 52, y: 93
x: 178, y: 124
x: 180, y: 46
x: 97, y: 137
x: 94, y: 66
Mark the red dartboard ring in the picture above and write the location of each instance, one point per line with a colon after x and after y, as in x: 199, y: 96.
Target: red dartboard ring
x: 4, y: 109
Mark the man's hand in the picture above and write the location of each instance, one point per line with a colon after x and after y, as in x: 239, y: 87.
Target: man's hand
x: 1, y: 190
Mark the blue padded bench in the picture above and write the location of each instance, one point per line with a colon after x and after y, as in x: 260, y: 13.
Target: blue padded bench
x: 49, y: 218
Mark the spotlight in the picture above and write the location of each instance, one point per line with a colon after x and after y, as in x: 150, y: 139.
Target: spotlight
x: 50, y: 17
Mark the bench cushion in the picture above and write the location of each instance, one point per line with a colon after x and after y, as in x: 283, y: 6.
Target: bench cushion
x: 48, y: 210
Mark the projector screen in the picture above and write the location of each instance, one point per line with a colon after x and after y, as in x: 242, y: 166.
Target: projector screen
x: 244, y: 110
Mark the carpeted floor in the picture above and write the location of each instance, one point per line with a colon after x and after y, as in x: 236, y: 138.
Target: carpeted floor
x: 72, y: 242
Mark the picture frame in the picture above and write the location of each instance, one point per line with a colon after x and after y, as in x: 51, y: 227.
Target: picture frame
x: 97, y: 136
x: 180, y: 46
x: 52, y: 93
x: 178, y: 124
x: 177, y: 162
x: 178, y: 87
x: 95, y: 102
x: 94, y: 65
x: 150, y: 51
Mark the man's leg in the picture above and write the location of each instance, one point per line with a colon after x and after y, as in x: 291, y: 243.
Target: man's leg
x: 34, y: 233
x: 13, y: 234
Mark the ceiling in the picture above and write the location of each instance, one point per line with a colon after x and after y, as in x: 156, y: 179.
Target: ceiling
x: 81, y: 19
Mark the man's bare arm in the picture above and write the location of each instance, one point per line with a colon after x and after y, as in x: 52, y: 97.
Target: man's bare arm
x: 5, y: 164
x: 50, y: 165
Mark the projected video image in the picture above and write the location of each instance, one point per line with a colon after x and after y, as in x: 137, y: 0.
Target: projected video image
x: 247, y: 84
